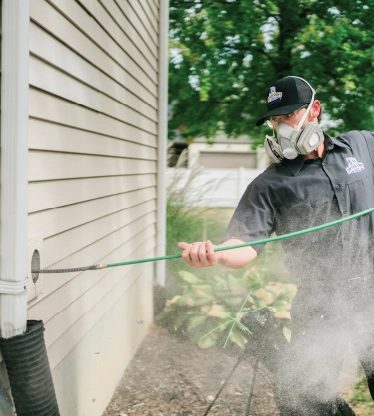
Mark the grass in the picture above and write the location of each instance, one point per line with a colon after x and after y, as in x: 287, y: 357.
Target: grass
x: 359, y: 397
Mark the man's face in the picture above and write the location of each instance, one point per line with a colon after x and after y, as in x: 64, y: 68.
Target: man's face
x: 291, y: 119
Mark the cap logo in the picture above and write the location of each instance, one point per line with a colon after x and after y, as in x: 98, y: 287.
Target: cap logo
x: 274, y: 96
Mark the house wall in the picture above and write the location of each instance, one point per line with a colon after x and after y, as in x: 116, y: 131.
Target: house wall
x: 92, y: 186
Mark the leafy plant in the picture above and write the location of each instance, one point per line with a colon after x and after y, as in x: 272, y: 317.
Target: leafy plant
x: 209, y: 305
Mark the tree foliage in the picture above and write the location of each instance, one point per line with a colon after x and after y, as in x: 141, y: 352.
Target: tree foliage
x: 225, y: 54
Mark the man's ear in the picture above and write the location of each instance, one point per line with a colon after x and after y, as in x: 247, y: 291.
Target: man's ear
x: 316, y: 108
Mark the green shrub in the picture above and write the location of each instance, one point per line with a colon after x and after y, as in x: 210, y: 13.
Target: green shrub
x: 209, y: 308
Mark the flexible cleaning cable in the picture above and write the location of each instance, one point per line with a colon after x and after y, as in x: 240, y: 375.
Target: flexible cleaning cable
x: 176, y: 256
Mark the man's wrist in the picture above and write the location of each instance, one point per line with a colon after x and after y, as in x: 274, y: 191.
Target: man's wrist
x: 221, y: 257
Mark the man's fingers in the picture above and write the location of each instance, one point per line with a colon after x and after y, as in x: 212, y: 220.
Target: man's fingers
x: 194, y: 253
x: 182, y: 245
x: 189, y: 254
x: 199, y: 254
x: 203, y: 254
x: 210, y: 249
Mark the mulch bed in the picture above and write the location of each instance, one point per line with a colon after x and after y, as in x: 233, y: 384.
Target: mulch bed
x: 169, y: 377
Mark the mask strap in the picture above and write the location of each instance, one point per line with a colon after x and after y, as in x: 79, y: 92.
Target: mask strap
x: 309, y: 106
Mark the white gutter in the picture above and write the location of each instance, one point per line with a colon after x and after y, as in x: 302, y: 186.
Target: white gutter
x: 14, y: 153
x: 162, y: 139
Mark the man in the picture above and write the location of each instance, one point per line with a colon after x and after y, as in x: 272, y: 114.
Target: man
x: 314, y: 179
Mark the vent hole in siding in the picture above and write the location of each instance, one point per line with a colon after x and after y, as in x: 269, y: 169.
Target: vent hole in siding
x: 35, y: 265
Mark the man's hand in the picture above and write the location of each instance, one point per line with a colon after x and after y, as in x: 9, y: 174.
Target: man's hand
x: 200, y: 254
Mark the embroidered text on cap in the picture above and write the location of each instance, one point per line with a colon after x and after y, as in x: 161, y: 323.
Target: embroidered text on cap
x: 274, y: 96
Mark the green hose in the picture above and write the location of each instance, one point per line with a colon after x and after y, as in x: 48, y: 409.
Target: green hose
x: 254, y: 243
x: 177, y: 256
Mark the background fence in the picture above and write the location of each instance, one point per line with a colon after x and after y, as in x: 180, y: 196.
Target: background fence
x: 214, y: 188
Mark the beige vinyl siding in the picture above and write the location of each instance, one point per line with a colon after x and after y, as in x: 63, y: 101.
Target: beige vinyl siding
x: 47, y: 17
x: 123, y: 14
x: 92, y: 181
x: 152, y: 7
x: 62, y: 85
x: 48, y: 48
x: 49, y: 195
x: 55, y: 221
x: 47, y: 107
x: 90, y: 355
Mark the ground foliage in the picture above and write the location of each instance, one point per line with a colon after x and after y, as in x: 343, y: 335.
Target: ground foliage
x: 224, y: 55
x: 209, y: 308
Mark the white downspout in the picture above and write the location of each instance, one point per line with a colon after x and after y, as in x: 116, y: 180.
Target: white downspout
x: 14, y: 153
x: 162, y: 139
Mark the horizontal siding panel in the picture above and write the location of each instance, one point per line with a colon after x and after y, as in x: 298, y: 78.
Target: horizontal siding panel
x: 132, y: 220
x: 53, y: 21
x: 156, y: 4
x: 146, y: 21
x: 141, y: 55
x: 44, y: 166
x: 53, y: 51
x: 59, y: 349
x: 80, y: 294
x: 55, y: 221
x: 113, y: 248
x: 152, y: 5
x: 90, y: 300
x: 131, y: 15
x: 145, y: 73
x: 135, y: 32
x: 47, y: 195
x: 136, y: 64
x: 150, y: 13
x: 104, y: 352
x: 58, y: 138
x: 51, y: 80
x: 45, y: 107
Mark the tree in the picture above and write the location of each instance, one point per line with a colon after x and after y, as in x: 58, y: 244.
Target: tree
x: 224, y: 55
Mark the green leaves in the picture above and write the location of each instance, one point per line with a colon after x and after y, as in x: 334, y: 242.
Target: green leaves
x: 229, y: 53
x: 210, y: 308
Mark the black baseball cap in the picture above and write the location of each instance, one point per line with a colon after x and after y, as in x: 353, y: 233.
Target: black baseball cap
x: 285, y: 96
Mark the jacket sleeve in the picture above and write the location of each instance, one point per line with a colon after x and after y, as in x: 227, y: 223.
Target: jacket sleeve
x: 369, y: 137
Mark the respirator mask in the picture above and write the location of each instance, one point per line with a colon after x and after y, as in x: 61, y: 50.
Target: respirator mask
x: 293, y: 141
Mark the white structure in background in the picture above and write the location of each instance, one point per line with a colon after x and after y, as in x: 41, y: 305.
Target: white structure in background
x: 213, y: 188
x: 226, y: 167
x: 226, y: 153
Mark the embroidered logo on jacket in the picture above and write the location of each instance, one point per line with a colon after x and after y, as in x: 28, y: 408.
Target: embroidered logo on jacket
x: 354, y: 166
x: 274, y: 96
